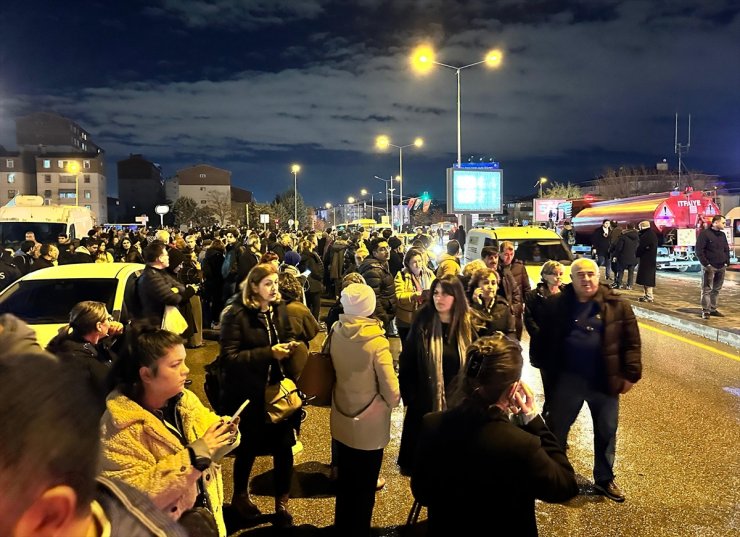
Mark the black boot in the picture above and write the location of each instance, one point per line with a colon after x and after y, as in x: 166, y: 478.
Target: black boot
x: 244, y: 505
x: 283, y: 518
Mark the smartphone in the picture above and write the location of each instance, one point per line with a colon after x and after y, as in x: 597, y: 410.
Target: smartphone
x: 306, y: 273
x: 239, y: 410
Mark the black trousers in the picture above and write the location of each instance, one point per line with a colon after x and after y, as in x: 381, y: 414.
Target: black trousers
x: 283, y: 470
x: 358, y: 474
x: 313, y: 301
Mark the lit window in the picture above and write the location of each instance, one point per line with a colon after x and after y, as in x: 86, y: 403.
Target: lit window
x: 66, y: 194
x: 87, y: 195
x: 202, y: 175
x: 62, y: 164
x: 47, y: 164
x: 11, y: 194
x: 11, y: 178
x: 87, y: 178
x: 9, y: 163
x: 86, y: 164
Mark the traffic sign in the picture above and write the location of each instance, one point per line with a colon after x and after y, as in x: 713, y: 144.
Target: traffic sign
x: 264, y: 218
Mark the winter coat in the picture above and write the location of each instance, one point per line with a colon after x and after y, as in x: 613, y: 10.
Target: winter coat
x: 336, y: 267
x: 302, y: 323
x: 366, y: 385
x: 407, y: 300
x: 471, y: 470
x: 448, y: 264
x: 621, y: 348
x: 311, y: 261
x: 16, y: 337
x: 521, y: 278
x: 213, y: 280
x: 41, y: 263
x: 248, y: 364
x: 154, y: 288
x: 647, y: 251
x: 81, y: 255
x: 625, y: 250
x: 378, y: 276
x: 140, y: 450
x: 8, y: 274
x: 534, y: 303
x: 131, y: 513
x: 600, y: 243
x: 712, y: 248
x: 497, y: 319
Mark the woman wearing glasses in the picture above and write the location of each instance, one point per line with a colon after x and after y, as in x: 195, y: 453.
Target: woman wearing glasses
x: 86, y: 341
x: 534, y: 300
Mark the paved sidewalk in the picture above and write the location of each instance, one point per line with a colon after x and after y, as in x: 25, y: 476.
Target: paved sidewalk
x: 677, y: 304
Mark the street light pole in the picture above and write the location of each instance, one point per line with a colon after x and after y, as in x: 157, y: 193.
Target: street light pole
x: 382, y: 142
x: 295, y: 168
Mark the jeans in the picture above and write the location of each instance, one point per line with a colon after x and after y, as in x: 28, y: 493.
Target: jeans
x: 568, y: 393
x: 712, y: 279
x: 605, y: 261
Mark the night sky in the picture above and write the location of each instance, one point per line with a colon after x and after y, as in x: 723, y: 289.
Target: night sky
x: 255, y: 85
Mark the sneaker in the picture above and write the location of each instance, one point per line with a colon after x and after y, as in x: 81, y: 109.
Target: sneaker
x: 715, y: 313
x: 629, y: 288
x: 705, y: 315
x: 610, y: 490
x: 614, y: 286
x: 645, y: 299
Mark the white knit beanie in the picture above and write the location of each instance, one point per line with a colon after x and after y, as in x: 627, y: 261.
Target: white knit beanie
x: 358, y: 299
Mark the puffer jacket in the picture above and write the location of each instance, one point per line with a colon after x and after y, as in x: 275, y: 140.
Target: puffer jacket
x: 534, y: 304
x: 626, y: 248
x: 620, y: 342
x: 448, y: 264
x: 140, y: 450
x: 378, y: 276
x: 366, y: 381
x: 408, y: 302
x: 155, y: 290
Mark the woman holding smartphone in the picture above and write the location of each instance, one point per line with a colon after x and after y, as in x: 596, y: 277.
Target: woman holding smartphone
x: 492, y: 310
x: 412, y: 289
x: 257, y: 345
x: 475, y: 459
x: 432, y: 355
x: 157, y: 436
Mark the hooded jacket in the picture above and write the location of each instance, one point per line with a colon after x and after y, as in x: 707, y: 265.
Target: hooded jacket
x: 366, y: 386
x: 625, y: 250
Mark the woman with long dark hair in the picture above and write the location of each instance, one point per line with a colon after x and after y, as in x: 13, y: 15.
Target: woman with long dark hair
x: 492, y: 310
x: 432, y: 355
x: 257, y: 345
x: 157, y: 436
x: 475, y: 463
x: 412, y: 289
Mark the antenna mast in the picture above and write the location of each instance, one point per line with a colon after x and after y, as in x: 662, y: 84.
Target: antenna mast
x: 680, y: 148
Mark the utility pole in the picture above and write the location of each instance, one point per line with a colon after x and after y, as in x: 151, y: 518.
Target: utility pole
x: 679, y: 148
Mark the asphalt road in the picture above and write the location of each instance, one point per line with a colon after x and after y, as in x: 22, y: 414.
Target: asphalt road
x: 677, y: 454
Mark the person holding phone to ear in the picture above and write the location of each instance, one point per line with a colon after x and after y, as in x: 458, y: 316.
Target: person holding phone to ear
x: 490, y: 454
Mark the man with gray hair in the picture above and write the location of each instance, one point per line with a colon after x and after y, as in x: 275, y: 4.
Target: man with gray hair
x: 593, y: 355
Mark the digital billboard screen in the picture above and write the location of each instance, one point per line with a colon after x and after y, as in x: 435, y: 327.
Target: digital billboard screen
x: 474, y: 191
x: 546, y: 209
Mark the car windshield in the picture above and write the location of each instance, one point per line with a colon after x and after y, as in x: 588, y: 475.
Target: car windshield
x: 537, y: 251
x: 43, y: 231
x: 50, y: 301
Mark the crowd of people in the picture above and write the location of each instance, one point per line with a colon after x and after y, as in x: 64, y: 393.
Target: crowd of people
x: 469, y: 419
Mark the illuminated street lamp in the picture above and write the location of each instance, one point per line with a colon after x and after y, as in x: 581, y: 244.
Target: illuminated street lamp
x: 423, y: 59
x: 74, y: 167
x: 541, y: 181
x: 295, y: 168
x: 334, y: 212
x: 382, y: 142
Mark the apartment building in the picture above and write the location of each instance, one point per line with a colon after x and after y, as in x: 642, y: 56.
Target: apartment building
x: 17, y: 175
x: 47, y: 131
x: 140, y: 187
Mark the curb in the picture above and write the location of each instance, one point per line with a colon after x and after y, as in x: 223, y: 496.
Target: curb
x: 714, y: 334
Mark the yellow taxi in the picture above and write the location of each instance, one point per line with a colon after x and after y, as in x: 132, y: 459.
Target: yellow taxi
x: 44, y: 298
x: 532, y: 246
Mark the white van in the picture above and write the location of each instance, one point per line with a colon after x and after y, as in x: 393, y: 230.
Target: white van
x: 29, y: 213
x: 532, y: 246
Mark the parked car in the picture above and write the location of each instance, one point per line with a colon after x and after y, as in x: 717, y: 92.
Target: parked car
x: 44, y: 298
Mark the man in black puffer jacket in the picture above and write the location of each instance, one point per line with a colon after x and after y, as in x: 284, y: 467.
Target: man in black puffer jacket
x: 713, y: 252
x: 624, y: 256
x: 378, y: 275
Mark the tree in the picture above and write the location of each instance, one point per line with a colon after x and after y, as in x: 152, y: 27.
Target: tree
x: 629, y: 181
x: 562, y: 191
x: 185, y: 210
x: 220, y: 205
x: 283, y: 206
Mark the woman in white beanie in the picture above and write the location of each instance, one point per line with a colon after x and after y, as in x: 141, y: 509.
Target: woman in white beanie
x: 365, y: 393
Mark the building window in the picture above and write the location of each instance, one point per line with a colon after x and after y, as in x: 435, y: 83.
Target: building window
x: 11, y: 194
x: 202, y: 188
x: 88, y: 206
x: 87, y: 178
x: 47, y: 178
x: 9, y: 163
x: 47, y: 164
x: 62, y: 163
x: 66, y: 194
x: 202, y: 176
x: 84, y: 147
x: 11, y: 178
x: 86, y: 164
x: 47, y: 193
x: 87, y: 195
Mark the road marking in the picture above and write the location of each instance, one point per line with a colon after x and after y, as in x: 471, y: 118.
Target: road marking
x: 735, y: 357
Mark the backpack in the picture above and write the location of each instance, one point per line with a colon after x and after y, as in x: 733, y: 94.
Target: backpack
x: 214, y: 386
x: 229, y: 266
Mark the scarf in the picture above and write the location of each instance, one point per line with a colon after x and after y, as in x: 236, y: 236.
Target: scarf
x: 434, y: 358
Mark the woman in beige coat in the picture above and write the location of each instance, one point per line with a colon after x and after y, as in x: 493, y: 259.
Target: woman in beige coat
x: 157, y: 436
x: 365, y: 393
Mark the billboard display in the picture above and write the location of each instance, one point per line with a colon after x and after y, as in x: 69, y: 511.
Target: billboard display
x: 546, y: 209
x: 474, y: 190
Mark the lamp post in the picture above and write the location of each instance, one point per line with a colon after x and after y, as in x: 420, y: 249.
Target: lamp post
x: 334, y: 212
x: 541, y: 181
x: 74, y: 167
x: 422, y: 60
x: 387, y: 187
x: 383, y: 142
x: 295, y: 168
x: 351, y: 201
